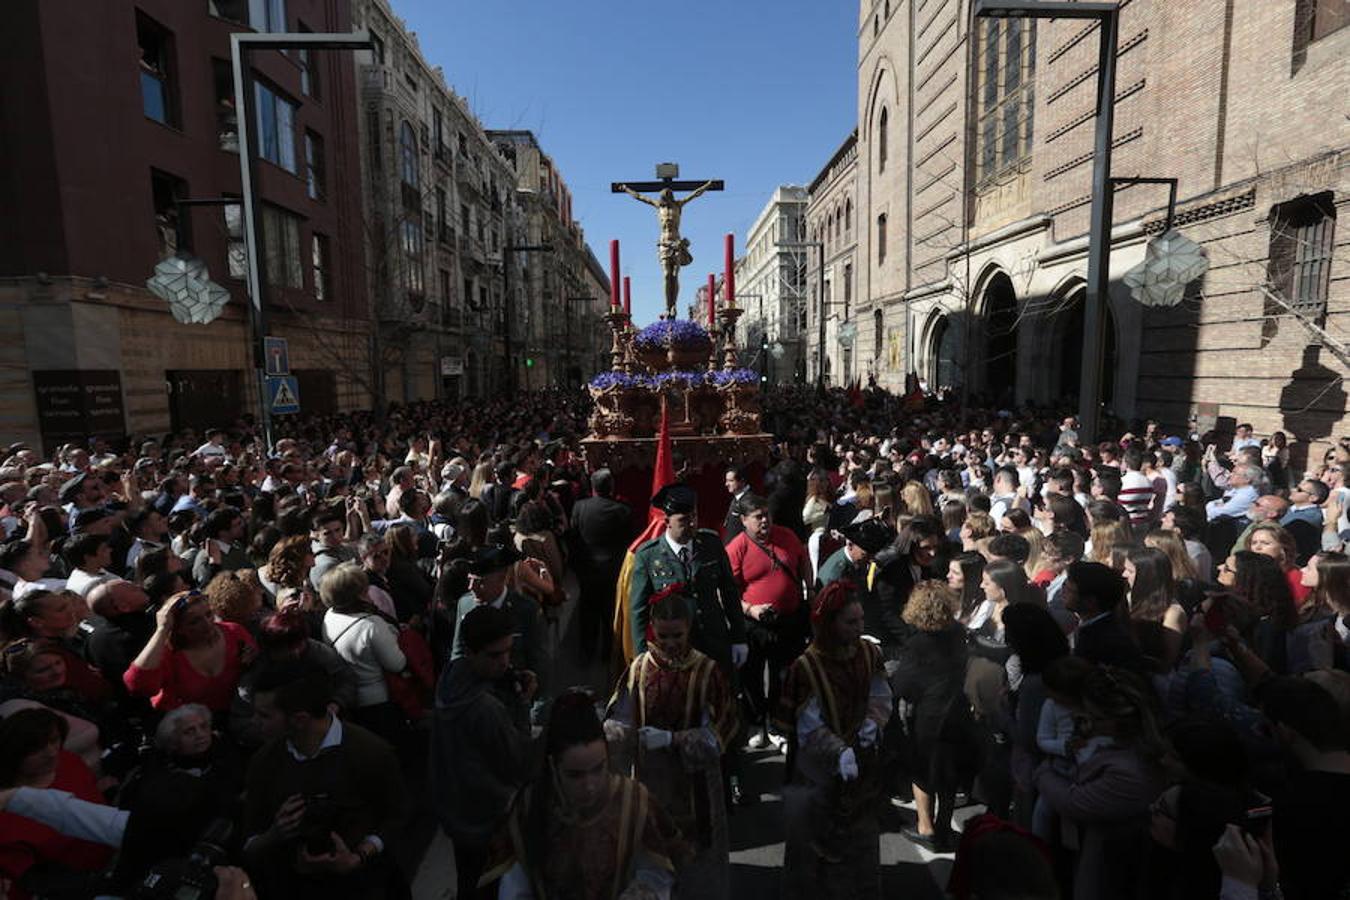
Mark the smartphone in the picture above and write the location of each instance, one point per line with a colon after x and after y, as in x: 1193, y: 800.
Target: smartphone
x: 1256, y: 821
x: 1216, y: 623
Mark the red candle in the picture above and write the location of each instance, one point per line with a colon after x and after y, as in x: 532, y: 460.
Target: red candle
x: 614, y: 274
x: 731, y: 270
x: 627, y: 296
x: 712, y: 300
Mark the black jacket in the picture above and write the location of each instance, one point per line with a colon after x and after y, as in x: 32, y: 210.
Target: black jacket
x: 601, y: 530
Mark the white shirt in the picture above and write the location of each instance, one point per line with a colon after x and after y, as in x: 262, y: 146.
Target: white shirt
x: 370, y: 645
x: 678, y: 547
x: 82, y: 582
x: 209, y: 449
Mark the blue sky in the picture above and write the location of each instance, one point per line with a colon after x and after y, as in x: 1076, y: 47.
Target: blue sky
x: 755, y: 92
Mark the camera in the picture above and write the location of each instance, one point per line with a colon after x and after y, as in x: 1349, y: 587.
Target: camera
x: 192, y: 877
x: 316, y: 827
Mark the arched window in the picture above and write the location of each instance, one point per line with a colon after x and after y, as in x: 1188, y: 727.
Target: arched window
x: 838, y: 223
x: 879, y: 326
x: 881, y: 139
x: 881, y: 239
x: 848, y: 216
x: 407, y: 154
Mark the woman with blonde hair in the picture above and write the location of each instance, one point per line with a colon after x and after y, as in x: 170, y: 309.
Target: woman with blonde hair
x: 1106, y: 535
x: 819, y: 499
x: 1035, y: 540
x: 917, y: 499
x: 482, y: 476
x: 930, y: 677
x: 977, y: 526
x: 1270, y: 539
x: 1171, y: 544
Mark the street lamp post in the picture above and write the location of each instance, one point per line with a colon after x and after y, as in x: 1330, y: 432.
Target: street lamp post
x: 567, y: 319
x: 820, y: 324
x: 1107, y: 17
x: 241, y: 44
x: 508, y: 251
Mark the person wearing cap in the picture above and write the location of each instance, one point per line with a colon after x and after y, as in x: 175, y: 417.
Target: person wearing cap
x: 864, y: 538
x: 82, y: 492
x: 684, y: 553
x: 489, y: 570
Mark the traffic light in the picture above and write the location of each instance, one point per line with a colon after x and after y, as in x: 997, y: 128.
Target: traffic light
x: 529, y: 362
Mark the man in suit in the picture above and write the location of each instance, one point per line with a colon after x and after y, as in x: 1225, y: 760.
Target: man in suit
x: 738, y: 485
x: 1094, y: 592
x: 600, y: 532
x: 697, y: 559
x: 488, y: 571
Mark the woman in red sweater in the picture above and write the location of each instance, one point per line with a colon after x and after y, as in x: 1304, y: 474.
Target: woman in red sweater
x: 771, y: 568
x: 191, y: 658
x: 39, y: 859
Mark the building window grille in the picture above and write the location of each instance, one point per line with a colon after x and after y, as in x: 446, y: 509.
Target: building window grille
x: 1301, y: 241
x: 1005, y: 96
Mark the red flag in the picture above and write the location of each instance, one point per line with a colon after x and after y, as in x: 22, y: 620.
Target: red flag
x: 663, y: 473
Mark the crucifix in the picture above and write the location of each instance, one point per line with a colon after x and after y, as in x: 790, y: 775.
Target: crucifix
x: 671, y: 249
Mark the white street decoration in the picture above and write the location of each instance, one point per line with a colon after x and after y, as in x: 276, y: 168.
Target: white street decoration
x: 1171, y: 262
x: 185, y: 284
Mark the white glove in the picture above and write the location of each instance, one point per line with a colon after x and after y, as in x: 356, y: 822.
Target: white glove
x: 848, y: 764
x: 867, y: 734
x: 739, y: 654
x: 654, y: 738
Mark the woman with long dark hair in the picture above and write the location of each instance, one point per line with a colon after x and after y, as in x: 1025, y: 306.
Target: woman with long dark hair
x: 1260, y: 585
x: 581, y: 831
x: 1156, y: 618
x: 965, y: 572
x: 835, y: 704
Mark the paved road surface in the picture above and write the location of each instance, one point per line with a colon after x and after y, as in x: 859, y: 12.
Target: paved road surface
x: 756, y: 832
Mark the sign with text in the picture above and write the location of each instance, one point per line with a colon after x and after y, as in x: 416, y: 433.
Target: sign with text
x: 452, y: 365
x: 76, y: 404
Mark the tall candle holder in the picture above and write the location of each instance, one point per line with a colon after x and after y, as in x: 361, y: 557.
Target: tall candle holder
x: 729, y: 314
x: 630, y: 363
x: 616, y: 320
x: 715, y: 333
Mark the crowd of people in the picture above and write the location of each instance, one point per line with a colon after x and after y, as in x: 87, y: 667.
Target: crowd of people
x: 256, y: 667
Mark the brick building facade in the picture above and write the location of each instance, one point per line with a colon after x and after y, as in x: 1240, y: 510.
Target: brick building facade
x: 974, y: 161
x: 113, y: 111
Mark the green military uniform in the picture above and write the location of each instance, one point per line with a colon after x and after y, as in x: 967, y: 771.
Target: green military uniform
x: 839, y: 567
x: 718, y: 620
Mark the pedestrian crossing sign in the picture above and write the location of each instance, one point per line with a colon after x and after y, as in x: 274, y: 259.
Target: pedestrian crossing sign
x: 284, y: 394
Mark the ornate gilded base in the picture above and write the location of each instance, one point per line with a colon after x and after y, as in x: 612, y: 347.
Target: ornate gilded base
x: 695, y: 452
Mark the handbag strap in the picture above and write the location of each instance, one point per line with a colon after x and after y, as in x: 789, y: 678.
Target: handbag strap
x: 361, y: 618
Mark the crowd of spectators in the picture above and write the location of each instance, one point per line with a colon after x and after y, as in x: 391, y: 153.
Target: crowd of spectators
x: 1132, y: 653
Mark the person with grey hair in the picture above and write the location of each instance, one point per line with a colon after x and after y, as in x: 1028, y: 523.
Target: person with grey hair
x: 185, y: 731
x: 1241, y: 494
x: 369, y: 644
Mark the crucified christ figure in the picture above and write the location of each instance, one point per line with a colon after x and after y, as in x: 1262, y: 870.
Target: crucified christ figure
x: 671, y: 249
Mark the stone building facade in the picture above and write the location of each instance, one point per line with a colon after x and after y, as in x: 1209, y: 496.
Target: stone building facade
x: 974, y: 162
x: 771, y: 287
x: 558, y: 294
x: 125, y: 108
x: 832, y: 236
x: 438, y: 200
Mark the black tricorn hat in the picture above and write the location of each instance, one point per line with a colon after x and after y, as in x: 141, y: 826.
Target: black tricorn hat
x: 492, y: 558
x: 872, y: 535
x: 674, y: 499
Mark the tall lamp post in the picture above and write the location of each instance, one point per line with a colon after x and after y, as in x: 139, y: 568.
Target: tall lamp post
x: 820, y: 287
x: 241, y: 44
x: 507, y: 252
x: 1107, y: 17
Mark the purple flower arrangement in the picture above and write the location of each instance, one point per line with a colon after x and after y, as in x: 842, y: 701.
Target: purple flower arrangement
x: 718, y: 378
x: 606, y: 380
x: 682, y: 334
x: 722, y: 378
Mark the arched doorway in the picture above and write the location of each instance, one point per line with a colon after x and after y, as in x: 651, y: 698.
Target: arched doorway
x: 1000, y: 338
x: 944, y: 354
x: 1066, y: 336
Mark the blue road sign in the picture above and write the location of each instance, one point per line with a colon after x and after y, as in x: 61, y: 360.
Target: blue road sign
x: 276, y: 356
x: 284, y: 395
